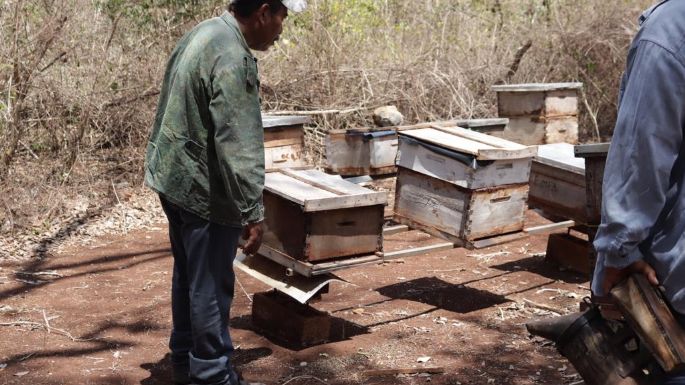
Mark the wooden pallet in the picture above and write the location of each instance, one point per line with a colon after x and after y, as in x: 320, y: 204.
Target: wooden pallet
x: 307, y: 269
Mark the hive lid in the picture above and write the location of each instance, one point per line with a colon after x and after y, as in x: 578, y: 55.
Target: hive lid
x: 594, y: 149
x: 479, y: 145
x: 271, y: 121
x: 318, y: 191
x: 482, y: 123
x: 536, y: 87
x: 560, y: 155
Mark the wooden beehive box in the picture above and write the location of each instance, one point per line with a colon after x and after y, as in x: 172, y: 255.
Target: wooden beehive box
x: 595, y: 159
x: 284, y: 141
x: 539, y: 113
x: 557, y: 183
x: 312, y: 216
x: 361, y: 151
x: 461, y: 185
x: 463, y: 157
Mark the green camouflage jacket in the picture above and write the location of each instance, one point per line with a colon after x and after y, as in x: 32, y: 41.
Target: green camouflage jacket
x: 206, y: 150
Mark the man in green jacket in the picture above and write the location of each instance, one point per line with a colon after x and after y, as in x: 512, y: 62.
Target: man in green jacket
x: 205, y: 158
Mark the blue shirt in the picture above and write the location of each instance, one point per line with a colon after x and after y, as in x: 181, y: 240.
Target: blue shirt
x: 643, y: 206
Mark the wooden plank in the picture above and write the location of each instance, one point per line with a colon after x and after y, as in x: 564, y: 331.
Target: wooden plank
x: 300, y: 267
x: 483, y: 124
x: 448, y: 140
x: 471, y: 142
x: 395, y: 229
x: 536, y: 87
x: 544, y: 229
x: 310, y: 181
x: 317, y: 191
x: 269, y: 121
x: 293, y: 189
x: 483, y: 138
x: 329, y: 267
x: 344, y: 202
x: 496, y: 240
x: 397, y: 128
x: 309, y: 270
x: 333, y: 182
x: 504, y: 154
x: 418, y: 251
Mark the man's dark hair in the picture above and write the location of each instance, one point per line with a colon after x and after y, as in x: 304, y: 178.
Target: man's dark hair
x: 245, y: 8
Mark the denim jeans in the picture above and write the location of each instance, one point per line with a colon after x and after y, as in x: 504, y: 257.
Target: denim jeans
x: 201, y: 296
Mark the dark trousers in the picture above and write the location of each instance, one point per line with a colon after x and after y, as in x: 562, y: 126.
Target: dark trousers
x: 678, y: 378
x: 201, y: 296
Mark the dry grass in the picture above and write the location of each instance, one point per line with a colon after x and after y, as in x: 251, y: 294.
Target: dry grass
x: 79, y: 79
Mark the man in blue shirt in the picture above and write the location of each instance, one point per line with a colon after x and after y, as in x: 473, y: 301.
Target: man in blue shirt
x: 643, y: 207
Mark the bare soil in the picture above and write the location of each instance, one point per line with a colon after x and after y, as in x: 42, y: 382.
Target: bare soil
x: 100, y: 314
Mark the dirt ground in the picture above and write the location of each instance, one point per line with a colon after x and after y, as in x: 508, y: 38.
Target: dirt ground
x: 101, y: 315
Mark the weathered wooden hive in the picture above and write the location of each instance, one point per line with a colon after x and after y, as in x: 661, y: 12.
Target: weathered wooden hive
x: 461, y: 185
x: 539, y: 113
x: 372, y: 151
x: 595, y: 159
x: 557, y: 183
x: 312, y: 216
x: 284, y: 141
x: 361, y: 151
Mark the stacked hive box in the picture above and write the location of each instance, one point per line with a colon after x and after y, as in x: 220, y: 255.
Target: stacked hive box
x: 284, y: 141
x: 461, y: 185
x: 539, y: 113
x: 372, y: 152
x: 361, y: 152
x: 312, y: 216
